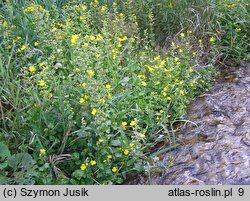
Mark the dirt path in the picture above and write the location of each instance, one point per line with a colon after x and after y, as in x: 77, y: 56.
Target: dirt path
x: 217, y: 150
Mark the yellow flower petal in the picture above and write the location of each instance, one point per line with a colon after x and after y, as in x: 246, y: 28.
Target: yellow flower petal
x: 132, y: 123
x: 124, y: 123
x: 92, y: 162
x: 114, y: 169
x: 93, y: 112
x: 41, y: 83
x: 126, y: 152
x: 83, y: 167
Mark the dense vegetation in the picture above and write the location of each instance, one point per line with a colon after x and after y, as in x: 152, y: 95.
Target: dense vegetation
x: 88, y: 89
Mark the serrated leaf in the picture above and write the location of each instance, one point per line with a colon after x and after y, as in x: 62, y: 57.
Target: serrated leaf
x: 78, y: 174
x: 116, y: 143
x: 3, y: 165
x: 24, y: 168
x: 21, y: 160
x: 4, y: 151
x: 3, y: 180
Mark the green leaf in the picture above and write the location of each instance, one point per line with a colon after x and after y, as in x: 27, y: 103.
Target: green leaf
x: 3, y: 165
x: 4, y: 153
x: 24, y: 168
x: 3, y: 180
x: 21, y: 160
x: 78, y: 174
x: 116, y: 143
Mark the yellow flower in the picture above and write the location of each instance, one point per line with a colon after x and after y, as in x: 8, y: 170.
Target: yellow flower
x: 180, y: 50
x: 119, y: 44
x: 76, y: 70
x: 159, y: 118
x: 90, y: 72
x: 81, y: 17
x: 126, y: 152
x: 109, y: 96
x: 92, y: 37
x: 84, y: 8
x: 42, y: 151
x: 93, y: 112
x: 84, y: 84
x: 74, y: 38
x: 109, y: 156
x: 238, y: 29
x: 103, y: 9
x: 41, y: 65
x: 41, y: 83
x: 142, y: 135
x: 83, y: 167
x: 132, y: 123
x: 114, y: 169
x: 163, y: 63
x: 102, y: 101
x: 169, y: 98
x: 35, y: 44
x: 141, y: 76
x: 191, y: 70
x: 157, y: 58
x: 189, y: 31
x: 93, y: 162
x: 32, y: 69
x: 4, y: 24
x: 82, y: 100
x: 23, y: 47
x: 59, y: 24
x: 98, y: 38
x: 161, y: 111
x: 176, y: 59
x: 212, y: 39
x: 45, y: 129
x: 143, y: 83
x: 108, y: 86
x: 182, y: 35
x: 124, y: 123
x: 100, y: 140
x: 200, y: 41
x: 131, y: 145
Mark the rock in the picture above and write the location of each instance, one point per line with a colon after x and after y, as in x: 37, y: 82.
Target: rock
x: 217, y: 150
